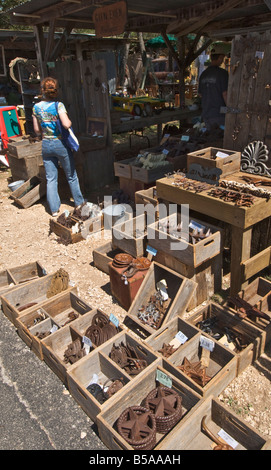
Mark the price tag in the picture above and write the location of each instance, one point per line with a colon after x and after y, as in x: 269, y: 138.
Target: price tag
x: 185, y: 138
x: 227, y: 438
x: 87, y: 344
x: 54, y: 328
x: 114, y: 320
x: 207, y: 343
x: 165, y: 151
x: 221, y: 155
x: 259, y: 54
x: 181, y: 337
x: 163, y: 378
x: 151, y: 250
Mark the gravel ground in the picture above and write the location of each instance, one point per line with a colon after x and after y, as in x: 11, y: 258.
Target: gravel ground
x: 25, y: 238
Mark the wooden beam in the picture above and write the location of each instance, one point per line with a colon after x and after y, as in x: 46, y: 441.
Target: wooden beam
x: 178, y: 26
x: 256, y: 263
x: 39, y: 44
x: 61, y: 43
x: 50, y: 40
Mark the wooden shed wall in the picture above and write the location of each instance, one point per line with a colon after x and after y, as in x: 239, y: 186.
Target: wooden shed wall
x: 249, y: 92
x: 83, y: 89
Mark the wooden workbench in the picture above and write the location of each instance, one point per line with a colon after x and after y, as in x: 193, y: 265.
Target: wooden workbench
x: 241, y: 220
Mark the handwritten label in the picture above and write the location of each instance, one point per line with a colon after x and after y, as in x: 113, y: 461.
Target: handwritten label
x: 114, y: 320
x: 181, y: 337
x: 163, y: 378
x: 207, y: 343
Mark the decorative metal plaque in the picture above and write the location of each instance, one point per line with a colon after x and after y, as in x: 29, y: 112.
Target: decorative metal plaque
x: 254, y: 158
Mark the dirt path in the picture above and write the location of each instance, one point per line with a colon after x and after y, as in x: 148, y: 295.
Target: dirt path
x: 25, y: 238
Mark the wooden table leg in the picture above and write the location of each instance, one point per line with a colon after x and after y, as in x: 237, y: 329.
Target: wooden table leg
x: 240, y: 251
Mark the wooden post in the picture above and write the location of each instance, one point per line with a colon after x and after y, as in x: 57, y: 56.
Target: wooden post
x: 240, y: 251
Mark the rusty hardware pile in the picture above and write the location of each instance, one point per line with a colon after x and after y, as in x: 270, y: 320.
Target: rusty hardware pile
x: 128, y: 358
x: 160, y: 410
x: 153, y: 313
x: 234, y: 337
x: 167, y: 350
x: 196, y: 371
x: 101, y: 329
x: 38, y: 318
x: 246, y: 188
x: 74, y: 352
x: 109, y: 388
x: 181, y: 181
x: 176, y: 230
x: 237, y: 198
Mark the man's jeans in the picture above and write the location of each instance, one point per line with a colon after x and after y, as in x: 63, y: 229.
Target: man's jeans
x: 54, y: 151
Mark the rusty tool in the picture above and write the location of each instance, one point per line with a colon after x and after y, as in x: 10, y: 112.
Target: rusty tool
x: 219, y: 444
x: 245, y: 309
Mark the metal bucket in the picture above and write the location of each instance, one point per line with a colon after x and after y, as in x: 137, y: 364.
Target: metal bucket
x: 113, y: 214
x: 16, y: 184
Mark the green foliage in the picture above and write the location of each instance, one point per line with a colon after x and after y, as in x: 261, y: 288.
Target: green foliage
x: 4, y: 18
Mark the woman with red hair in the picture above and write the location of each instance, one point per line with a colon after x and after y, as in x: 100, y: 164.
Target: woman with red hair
x: 54, y: 150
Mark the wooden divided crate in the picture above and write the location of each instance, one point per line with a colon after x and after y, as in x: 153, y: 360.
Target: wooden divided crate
x: 30, y: 192
x: 242, y: 338
x: 147, y: 196
x: 29, y: 295
x: 221, y: 365
x: 179, y: 291
x: 100, y: 362
x: 151, y: 175
x: 225, y: 161
x: 135, y: 395
x: 12, y: 277
x: 174, y: 333
x: 258, y: 294
x: 225, y: 426
x: 131, y: 236
x: 162, y: 235
x: 55, y: 313
x: 103, y: 255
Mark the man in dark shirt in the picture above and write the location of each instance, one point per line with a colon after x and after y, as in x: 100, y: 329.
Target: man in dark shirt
x: 213, y: 85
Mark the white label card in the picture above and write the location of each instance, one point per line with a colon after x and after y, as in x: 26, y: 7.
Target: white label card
x: 207, y: 343
x: 227, y: 438
x: 181, y: 337
x: 114, y: 320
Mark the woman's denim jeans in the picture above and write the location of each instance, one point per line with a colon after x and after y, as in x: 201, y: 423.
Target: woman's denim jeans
x: 54, y: 151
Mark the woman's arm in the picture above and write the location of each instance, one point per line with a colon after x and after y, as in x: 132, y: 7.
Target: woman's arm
x: 65, y: 120
x: 36, y: 126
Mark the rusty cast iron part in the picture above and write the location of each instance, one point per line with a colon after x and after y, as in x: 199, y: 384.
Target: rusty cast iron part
x: 195, y: 371
x: 112, y: 386
x: 166, y: 405
x: 232, y: 336
x: 128, y: 358
x: 101, y: 329
x: 167, y: 350
x: 72, y: 316
x: 181, y: 181
x: 74, y: 352
x: 138, y: 264
x: 219, y: 444
x: 245, y: 309
x: 137, y: 426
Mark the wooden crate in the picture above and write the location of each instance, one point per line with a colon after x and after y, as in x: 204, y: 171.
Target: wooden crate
x: 258, y: 294
x: 89, y: 226
x: 179, y: 289
x: 207, y: 276
x: 133, y: 395
x: 81, y: 375
x: 27, y: 296
x: 147, y: 196
x: 131, y: 236
x: 224, y: 319
x: 188, y: 253
x: 222, y: 366
x: 103, y: 255
x: 207, y: 158
x: 169, y: 334
x: 23, y: 148
x: 219, y: 419
x: 150, y: 176
x: 33, y: 195
x: 123, y: 168
x: 7, y: 282
x: 24, y: 168
x: 27, y: 272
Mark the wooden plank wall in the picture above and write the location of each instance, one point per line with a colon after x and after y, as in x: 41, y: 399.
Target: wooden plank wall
x: 83, y: 89
x: 249, y: 92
